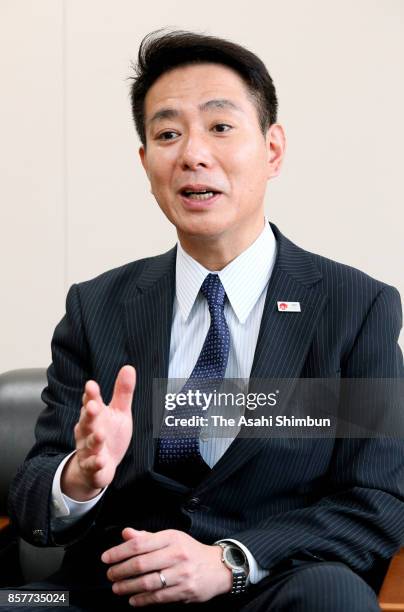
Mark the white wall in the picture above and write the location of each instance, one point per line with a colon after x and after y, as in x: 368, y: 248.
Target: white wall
x: 74, y: 200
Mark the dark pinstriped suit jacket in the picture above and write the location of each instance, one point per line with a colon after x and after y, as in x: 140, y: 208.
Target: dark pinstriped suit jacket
x: 331, y: 499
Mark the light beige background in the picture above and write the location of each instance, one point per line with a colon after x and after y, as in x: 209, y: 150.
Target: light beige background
x: 74, y: 200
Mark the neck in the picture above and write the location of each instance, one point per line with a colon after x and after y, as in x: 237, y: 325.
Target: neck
x: 216, y: 252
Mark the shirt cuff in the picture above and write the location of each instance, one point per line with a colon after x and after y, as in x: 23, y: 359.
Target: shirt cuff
x: 63, y: 506
x: 257, y: 572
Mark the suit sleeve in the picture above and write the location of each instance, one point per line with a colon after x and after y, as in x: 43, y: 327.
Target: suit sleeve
x: 31, y: 490
x: 360, y: 519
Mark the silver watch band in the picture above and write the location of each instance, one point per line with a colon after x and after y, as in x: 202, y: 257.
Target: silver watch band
x: 240, y: 575
x: 239, y: 582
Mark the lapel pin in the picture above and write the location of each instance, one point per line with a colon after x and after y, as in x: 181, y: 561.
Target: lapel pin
x: 289, y: 306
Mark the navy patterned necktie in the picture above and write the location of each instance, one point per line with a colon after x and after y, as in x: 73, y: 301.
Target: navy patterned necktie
x: 178, y: 453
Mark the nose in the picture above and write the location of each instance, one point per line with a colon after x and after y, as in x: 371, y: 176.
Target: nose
x: 195, y: 152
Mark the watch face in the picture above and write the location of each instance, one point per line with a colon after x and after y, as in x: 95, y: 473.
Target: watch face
x: 235, y: 556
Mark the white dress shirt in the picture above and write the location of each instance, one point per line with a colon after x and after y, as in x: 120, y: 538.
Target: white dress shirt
x: 245, y: 281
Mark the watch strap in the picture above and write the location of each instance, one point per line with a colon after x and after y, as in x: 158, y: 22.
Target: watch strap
x: 240, y: 575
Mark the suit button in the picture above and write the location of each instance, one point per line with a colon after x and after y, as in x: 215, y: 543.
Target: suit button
x: 37, y: 534
x: 192, y: 504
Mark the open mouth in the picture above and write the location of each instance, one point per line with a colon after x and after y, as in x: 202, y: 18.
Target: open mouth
x: 203, y: 194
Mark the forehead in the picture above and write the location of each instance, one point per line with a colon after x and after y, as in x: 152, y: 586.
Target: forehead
x: 196, y: 83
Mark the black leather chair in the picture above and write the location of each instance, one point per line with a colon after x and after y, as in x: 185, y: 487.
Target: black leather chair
x: 20, y: 562
x: 20, y: 405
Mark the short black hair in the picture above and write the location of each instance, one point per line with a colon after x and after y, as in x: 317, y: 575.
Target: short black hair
x: 162, y: 50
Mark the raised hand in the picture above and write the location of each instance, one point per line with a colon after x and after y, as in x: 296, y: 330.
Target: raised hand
x: 102, y: 437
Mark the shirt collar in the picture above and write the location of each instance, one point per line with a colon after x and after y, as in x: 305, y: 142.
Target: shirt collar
x: 243, y: 279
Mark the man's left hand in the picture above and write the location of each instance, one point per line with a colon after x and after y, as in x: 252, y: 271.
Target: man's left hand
x: 193, y: 571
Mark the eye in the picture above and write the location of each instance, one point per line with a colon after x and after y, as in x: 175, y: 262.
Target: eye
x: 220, y: 128
x: 167, y: 135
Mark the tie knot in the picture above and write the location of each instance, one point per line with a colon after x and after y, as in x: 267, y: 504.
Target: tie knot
x: 213, y: 290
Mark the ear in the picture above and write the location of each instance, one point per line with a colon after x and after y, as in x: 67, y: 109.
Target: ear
x: 143, y: 159
x: 276, y: 146
x: 142, y: 155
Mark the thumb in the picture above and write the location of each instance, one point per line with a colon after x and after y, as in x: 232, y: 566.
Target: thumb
x: 124, y: 387
x: 128, y: 533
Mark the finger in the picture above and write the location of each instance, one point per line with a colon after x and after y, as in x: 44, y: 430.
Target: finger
x: 81, y: 433
x: 163, y: 538
x: 94, y: 463
x: 140, y: 543
x: 88, y: 418
x: 141, y: 564
x: 162, y: 595
x: 92, y: 391
x: 147, y: 583
x: 124, y: 387
x: 128, y: 533
x: 91, y: 410
x: 91, y: 444
x: 95, y: 441
x: 87, y: 423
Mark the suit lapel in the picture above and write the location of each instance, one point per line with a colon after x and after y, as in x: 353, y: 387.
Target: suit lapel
x: 283, y: 342
x: 148, y: 315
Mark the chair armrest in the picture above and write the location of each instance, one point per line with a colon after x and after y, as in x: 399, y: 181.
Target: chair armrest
x: 4, y: 522
x: 391, y: 596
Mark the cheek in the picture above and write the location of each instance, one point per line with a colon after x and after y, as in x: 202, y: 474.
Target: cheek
x: 160, y: 173
x: 248, y: 166
x: 159, y: 181
x: 247, y: 153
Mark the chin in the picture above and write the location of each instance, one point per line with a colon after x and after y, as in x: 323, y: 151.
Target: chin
x: 203, y: 226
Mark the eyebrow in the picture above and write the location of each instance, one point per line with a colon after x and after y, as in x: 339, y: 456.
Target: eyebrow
x: 172, y: 113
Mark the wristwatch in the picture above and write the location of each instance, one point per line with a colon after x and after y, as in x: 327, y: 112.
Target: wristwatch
x: 234, y: 558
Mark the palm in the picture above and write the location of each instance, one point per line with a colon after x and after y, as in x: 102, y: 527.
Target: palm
x: 118, y: 428
x: 104, y: 432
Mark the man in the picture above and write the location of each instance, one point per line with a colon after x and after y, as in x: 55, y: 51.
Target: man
x: 284, y: 523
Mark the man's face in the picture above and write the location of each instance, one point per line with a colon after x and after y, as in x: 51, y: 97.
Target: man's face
x: 207, y: 159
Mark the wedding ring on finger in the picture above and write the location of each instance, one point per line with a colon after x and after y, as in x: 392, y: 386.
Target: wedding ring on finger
x: 162, y: 580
